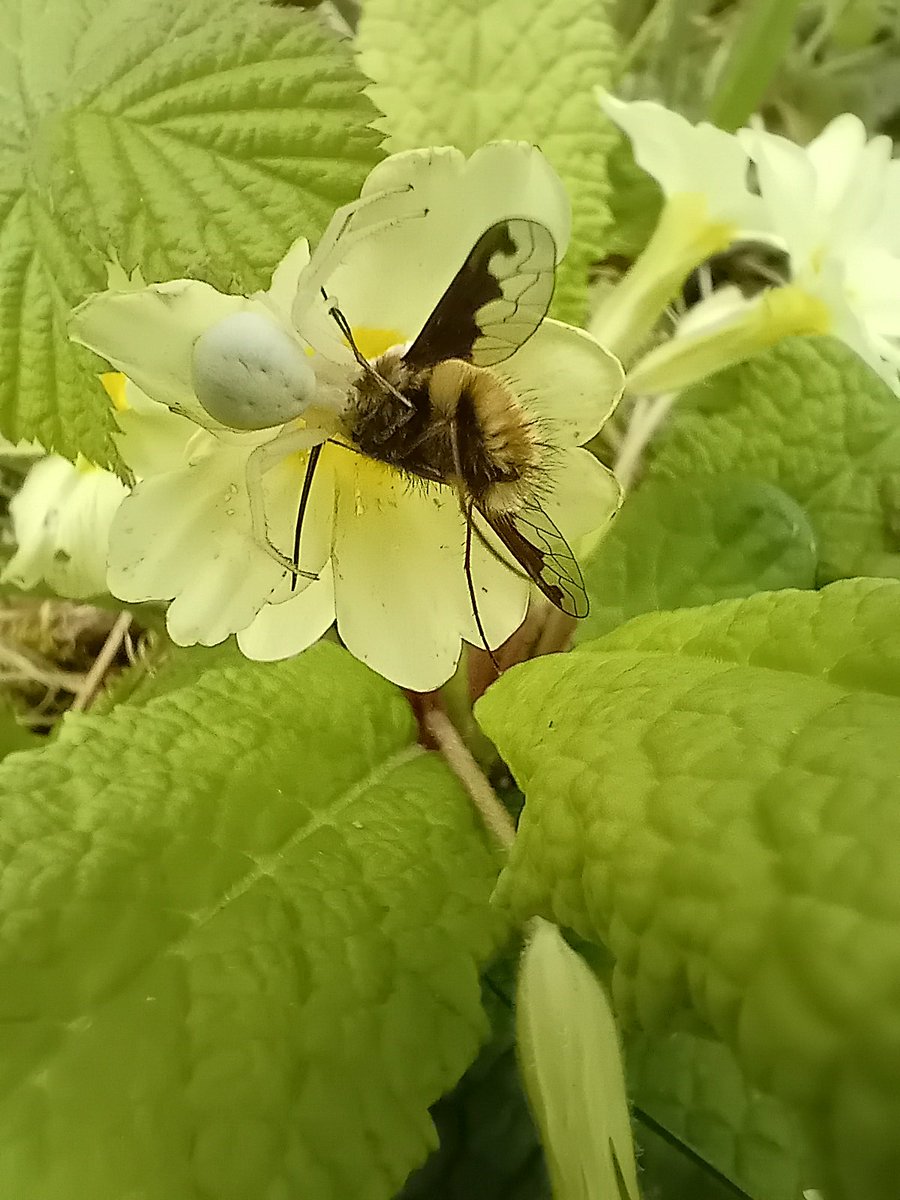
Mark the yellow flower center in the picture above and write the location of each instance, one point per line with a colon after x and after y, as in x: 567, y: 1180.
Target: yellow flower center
x: 373, y: 342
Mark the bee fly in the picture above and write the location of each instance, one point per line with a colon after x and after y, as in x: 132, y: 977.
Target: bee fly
x: 439, y: 412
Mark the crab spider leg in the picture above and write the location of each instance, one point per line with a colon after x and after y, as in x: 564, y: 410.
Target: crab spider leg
x: 339, y: 234
x: 263, y: 459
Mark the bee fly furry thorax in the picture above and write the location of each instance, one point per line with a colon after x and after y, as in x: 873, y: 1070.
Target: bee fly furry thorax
x: 466, y: 427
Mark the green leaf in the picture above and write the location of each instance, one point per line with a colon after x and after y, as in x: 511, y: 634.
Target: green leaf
x: 715, y: 795
x: 462, y: 72
x: 758, y: 47
x: 810, y: 417
x: 684, y: 543
x: 694, y: 1088
x: 243, y: 927
x: 489, y: 1146
x: 572, y: 1067
x: 635, y: 201
x: 166, y: 668
x: 195, y: 137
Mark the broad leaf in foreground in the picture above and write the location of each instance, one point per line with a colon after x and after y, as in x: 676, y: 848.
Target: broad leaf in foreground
x: 715, y: 794
x: 813, y: 419
x: 688, y: 542
x: 465, y: 72
x: 243, y: 928
x: 194, y: 137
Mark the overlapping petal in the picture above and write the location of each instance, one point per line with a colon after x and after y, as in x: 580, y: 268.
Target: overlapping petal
x: 582, y: 495
x: 827, y: 205
x: 186, y: 536
x: 394, y: 278
x: 567, y: 380
x: 283, y: 630
x: 688, y: 159
x: 401, y: 597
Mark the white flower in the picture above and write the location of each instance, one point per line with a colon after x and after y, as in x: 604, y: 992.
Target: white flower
x: 61, y: 518
x: 700, y: 161
x: 387, y: 552
x: 703, y: 173
x: 833, y: 208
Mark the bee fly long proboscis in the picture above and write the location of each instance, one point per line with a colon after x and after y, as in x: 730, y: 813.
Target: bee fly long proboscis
x: 438, y: 411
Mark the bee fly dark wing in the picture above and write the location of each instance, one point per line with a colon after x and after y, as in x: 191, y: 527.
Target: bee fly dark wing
x: 495, y: 301
x: 544, y: 555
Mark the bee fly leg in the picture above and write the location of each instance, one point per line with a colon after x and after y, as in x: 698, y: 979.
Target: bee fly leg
x: 311, y: 463
x: 261, y: 460
x: 470, y: 583
x: 467, y: 508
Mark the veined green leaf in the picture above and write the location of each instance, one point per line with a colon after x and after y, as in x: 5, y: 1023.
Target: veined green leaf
x: 243, y: 929
x: 681, y: 543
x: 195, y: 137
x: 466, y: 72
x: 693, y: 1087
x: 715, y: 795
x: 813, y: 419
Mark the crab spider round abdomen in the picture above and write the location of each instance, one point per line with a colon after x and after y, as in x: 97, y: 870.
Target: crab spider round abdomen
x: 250, y: 373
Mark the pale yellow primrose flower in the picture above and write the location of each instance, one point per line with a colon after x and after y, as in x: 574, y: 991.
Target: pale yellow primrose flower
x: 61, y: 517
x: 834, y: 207
x: 703, y: 175
x: 387, y: 551
x: 831, y: 206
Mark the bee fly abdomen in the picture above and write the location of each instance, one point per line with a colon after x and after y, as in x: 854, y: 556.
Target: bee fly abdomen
x: 498, y: 448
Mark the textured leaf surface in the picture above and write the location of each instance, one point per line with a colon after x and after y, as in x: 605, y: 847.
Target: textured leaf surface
x: 715, y: 794
x: 489, y: 1147
x: 635, y: 202
x: 690, y: 542
x: 242, y: 931
x: 13, y: 735
x: 694, y: 1088
x: 811, y: 418
x: 465, y: 72
x: 166, y: 669
x: 193, y: 136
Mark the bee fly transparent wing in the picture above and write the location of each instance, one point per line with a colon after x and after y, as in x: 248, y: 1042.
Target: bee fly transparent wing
x: 544, y: 555
x: 496, y: 300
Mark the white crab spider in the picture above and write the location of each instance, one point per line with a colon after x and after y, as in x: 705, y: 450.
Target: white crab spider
x: 250, y: 373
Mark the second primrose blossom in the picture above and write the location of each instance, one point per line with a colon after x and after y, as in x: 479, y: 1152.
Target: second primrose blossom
x: 830, y: 207
x: 225, y: 396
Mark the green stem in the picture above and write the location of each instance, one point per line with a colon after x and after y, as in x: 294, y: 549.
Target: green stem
x: 759, y: 45
x: 643, y: 36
